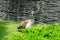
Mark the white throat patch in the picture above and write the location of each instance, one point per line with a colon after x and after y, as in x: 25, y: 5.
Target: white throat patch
x: 30, y: 23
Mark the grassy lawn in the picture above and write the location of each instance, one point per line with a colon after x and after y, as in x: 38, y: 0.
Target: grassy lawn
x: 6, y: 28
x: 8, y: 31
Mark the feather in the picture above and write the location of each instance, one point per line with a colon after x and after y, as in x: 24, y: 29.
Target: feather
x: 23, y: 24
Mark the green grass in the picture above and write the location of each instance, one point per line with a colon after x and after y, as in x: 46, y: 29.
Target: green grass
x: 8, y: 31
x: 6, y: 28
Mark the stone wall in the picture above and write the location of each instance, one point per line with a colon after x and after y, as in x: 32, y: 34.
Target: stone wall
x: 49, y: 11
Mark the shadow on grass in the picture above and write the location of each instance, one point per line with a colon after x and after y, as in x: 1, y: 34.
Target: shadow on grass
x: 3, y: 30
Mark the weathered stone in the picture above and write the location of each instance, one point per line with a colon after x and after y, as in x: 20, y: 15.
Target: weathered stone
x: 48, y: 10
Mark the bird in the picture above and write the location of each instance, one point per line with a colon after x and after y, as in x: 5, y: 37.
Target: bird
x: 23, y: 24
x: 26, y: 23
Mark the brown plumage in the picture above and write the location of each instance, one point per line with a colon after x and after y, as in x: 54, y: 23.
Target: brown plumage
x: 23, y: 24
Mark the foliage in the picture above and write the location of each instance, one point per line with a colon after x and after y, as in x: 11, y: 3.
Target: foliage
x: 40, y: 32
x: 8, y: 31
x: 7, y: 27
